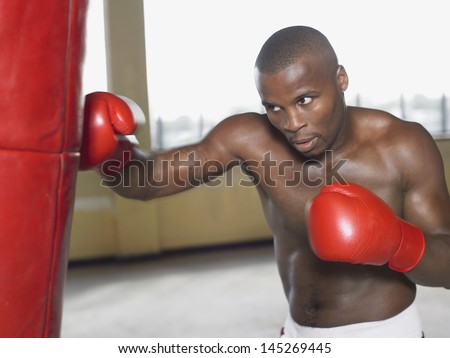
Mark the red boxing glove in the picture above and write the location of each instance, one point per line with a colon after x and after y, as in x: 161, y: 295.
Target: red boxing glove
x: 351, y: 224
x: 108, y: 122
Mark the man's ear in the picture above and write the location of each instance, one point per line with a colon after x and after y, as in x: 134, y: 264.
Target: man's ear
x: 342, y: 78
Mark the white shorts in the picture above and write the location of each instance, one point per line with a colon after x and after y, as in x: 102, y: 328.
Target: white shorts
x: 406, y: 324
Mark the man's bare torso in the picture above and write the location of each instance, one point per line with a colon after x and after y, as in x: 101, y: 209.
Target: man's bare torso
x: 326, y: 294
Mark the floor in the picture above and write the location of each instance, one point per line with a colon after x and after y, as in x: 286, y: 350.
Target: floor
x: 231, y: 292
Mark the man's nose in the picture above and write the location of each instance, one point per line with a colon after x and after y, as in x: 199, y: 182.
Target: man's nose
x: 294, y: 121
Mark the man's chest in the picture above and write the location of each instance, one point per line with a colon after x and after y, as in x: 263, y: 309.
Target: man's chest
x: 287, y: 185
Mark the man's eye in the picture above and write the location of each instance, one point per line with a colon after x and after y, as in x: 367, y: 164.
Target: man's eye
x: 305, y: 100
x: 272, y: 108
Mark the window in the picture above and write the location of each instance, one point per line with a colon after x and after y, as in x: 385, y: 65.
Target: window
x: 201, y: 54
x: 94, y: 66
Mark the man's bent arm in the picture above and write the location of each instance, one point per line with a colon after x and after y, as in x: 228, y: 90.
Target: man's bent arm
x: 427, y: 205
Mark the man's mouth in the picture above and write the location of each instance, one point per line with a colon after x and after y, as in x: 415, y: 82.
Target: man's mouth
x: 305, y: 145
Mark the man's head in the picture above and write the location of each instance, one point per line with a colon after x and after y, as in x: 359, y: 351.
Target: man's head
x: 301, y: 86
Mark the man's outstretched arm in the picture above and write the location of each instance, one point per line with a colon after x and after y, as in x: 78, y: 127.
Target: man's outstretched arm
x: 138, y: 174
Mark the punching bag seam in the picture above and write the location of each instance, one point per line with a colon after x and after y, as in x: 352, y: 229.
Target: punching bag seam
x: 73, y: 57
x: 51, y: 273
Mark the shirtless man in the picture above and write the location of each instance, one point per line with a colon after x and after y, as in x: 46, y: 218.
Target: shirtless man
x: 346, y: 272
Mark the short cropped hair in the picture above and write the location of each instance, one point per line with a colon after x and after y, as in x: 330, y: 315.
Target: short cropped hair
x: 287, y: 45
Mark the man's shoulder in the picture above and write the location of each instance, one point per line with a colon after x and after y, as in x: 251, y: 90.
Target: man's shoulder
x: 371, y: 117
x: 383, y: 126
x: 243, y: 135
x: 406, y: 144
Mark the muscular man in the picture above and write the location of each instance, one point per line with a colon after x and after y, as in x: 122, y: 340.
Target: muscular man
x: 349, y: 254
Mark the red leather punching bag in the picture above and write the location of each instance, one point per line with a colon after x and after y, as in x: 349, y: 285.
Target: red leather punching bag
x: 41, y: 52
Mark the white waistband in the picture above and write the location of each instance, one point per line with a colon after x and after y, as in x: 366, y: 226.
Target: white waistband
x: 404, y: 325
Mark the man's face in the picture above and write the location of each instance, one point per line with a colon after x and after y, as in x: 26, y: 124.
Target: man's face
x: 305, y: 102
